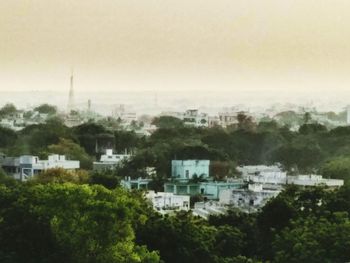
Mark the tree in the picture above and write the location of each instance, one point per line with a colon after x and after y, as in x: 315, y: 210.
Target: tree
x: 314, y: 240
x: 307, y: 117
x: 168, y: 122
x: 312, y: 128
x: 60, y: 175
x: 338, y: 168
x: 69, y: 223
x: 72, y: 151
x: 8, y: 137
x: 108, y: 179
x: 179, y: 238
x: 7, y: 109
x: 245, y: 122
x: 126, y: 141
x: 46, y: 109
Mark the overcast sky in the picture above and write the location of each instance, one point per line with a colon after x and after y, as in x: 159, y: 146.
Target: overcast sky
x: 223, y: 45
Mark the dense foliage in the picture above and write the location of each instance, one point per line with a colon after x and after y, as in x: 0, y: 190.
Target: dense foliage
x: 84, y: 216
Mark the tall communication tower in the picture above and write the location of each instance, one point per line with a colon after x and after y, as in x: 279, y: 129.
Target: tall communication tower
x: 71, y: 94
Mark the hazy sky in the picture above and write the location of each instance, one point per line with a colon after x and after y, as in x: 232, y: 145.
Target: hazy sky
x: 224, y: 45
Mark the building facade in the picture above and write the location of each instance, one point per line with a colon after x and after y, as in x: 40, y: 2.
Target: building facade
x: 26, y: 166
x: 168, y: 202
x: 184, y: 170
x: 247, y: 199
x: 109, y: 161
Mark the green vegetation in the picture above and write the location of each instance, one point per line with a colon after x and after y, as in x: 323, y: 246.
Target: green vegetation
x: 46, y: 109
x: 84, y: 216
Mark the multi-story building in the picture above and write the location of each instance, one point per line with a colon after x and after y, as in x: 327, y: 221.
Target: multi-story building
x: 209, y: 190
x: 137, y: 184
x: 26, y: 166
x: 273, y: 175
x: 227, y: 118
x: 196, y: 119
x: 248, y: 199
x: 109, y: 161
x: 184, y: 170
x: 168, y: 202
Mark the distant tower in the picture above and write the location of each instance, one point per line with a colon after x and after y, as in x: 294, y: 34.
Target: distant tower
x: 89, y: 105
x: 71, y: 94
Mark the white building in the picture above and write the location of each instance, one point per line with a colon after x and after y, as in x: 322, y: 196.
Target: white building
x: 26, y: 166
x: 124, y: 113
x: 189, y: 169
x: 314, y: 180
x: 135, y: 184
x: 248, y: 200
x: 273, y: 175
x: 205, y: 209
x: 168, y: 202
x: 196, y: 119
x: 109, y: 160
x: 263, y: 174
x: 227, y: 118
x: 190, y: 117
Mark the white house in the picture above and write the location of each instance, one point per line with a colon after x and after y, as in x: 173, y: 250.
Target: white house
x: 189, y: 169
x: 137, y: 184
x: 196, y: 119
x: 263, y: 174
x: 109, y: 160
x: 168, y: 202
x: 249, y: 200
x: 314, y: 180
x: 273, y: 175
x: 26, y: 166
x: 190, y: 117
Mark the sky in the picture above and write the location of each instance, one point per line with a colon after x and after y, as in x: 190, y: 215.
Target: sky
x: 281, y: 48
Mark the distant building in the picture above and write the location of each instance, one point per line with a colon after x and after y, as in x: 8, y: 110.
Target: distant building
x: 214, y: 121
x: 168, y: 202
x: 26, y: 166
x: 227, y: 118
x: 205, y: 209
x: 109, y: 161
x: 190, y: 117
x: 124, y: 114
x: 248, y: 199
x: 196, y: 119
x: 273, y: 175
x: 314, y: 180
x: 137, y: 184
x: 184, y: 170
x: 263, y: 174
x: 210, y: 190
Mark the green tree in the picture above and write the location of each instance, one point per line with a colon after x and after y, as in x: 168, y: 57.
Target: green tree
x: 314, y: 240
x: 107, y: 178
x: 168, y: 122
x: 7, y: 109
x: 60, y: 175
x: 338, y: 168
x: 46, y: 109
x: 69, y: 223
x: 72, y: 151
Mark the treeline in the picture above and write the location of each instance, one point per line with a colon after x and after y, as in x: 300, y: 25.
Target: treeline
x: 83, y: 217
x: 312, y: 149
x: 62, y: 217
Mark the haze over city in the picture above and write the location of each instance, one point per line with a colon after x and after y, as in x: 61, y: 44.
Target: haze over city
x: 177, y: 50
